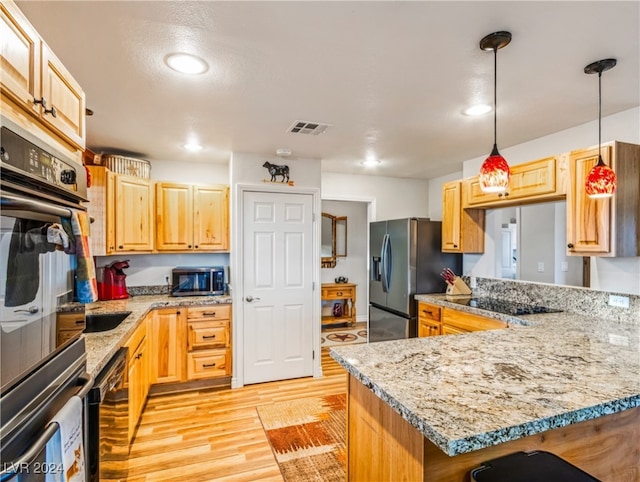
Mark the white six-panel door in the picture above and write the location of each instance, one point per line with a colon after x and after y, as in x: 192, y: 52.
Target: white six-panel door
x: 277, y: 286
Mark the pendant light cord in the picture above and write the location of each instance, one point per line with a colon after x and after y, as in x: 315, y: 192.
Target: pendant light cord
x: 495, y: 97
x: 600, y: 161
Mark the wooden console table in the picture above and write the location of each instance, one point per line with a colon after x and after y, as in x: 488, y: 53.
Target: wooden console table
x: 338, y: 303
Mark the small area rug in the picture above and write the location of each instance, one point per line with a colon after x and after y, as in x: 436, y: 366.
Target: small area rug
x: 307, y: 437
x: 343, y: 337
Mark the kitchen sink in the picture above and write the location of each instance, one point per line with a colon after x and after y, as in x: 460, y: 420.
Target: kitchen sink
x: 104, y: 321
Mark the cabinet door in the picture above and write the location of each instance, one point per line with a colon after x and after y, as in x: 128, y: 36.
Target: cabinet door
x: 134, y: 221
x: 451, y: 210
x: 167, y: 343
x: 588, y: 220
x: 64, y: 95
x: 174, y: 217
x: 211, y: 218
x: 138, y: 385
x: 101, y: 207
x: 19, y: 57
x: 462, y: 229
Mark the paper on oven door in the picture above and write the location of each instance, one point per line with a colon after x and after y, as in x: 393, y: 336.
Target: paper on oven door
x: 66, y: 449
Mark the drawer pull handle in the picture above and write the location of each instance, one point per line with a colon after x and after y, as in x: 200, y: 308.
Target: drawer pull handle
x: 208, y: 365
x: 79, y: 322
x: 427, y: 312
x: 208, y: 337
x: 208, y: 313
x: 339, y: 293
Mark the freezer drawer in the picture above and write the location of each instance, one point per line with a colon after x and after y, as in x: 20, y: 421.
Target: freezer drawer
x: 385, y: 326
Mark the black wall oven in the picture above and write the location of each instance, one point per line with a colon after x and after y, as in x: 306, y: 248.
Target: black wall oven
x: 40, y: 370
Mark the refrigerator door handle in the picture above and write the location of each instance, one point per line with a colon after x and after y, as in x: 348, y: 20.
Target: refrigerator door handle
x: 386, y: 263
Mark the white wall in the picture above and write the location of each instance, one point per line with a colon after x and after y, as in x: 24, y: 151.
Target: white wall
x: 435, y: 194
x: 608, y: 274
x: 394, y: 197
x: 355, y: 265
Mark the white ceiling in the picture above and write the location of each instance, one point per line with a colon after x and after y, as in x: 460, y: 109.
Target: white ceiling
x: 389, y: 77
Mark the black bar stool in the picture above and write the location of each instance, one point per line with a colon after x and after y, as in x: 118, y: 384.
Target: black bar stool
x: 537, y: 466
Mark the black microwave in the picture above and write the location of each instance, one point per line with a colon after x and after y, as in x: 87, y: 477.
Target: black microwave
x: 197, y: 280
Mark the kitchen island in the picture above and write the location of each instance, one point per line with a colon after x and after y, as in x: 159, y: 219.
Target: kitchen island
x: 434, y: 408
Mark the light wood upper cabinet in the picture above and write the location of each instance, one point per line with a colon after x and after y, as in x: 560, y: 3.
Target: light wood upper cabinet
x: 605, y: 227
x: 122, y: 210
x: 462, y: 229
x: 64, y: 95
x: 542, y: 180
x: 211, y: 218
x: 134, y: 214
x: 37, y: 82
x: 168, y: 345
x: 191, y: 217
x: 20, y: 57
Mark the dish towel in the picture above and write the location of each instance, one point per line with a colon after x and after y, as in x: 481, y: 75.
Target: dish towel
x: 86, y: 285
x: 65, y: 450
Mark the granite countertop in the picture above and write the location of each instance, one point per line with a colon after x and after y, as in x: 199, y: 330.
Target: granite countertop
x: 102, y: 346
x: 470, y: 391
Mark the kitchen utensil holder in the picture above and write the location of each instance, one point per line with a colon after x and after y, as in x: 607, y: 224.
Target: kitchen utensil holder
x: 458, y: 289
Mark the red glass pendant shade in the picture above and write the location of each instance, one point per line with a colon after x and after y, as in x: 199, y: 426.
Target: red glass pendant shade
x: 601, y: 181
x: 494, y: 173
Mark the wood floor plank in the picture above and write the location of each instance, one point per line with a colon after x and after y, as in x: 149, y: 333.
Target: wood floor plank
x: 216, y: 434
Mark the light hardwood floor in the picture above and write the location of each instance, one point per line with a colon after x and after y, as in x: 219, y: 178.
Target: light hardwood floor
x: 216, y: 435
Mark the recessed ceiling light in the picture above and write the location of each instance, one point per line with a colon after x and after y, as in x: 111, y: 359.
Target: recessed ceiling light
x: 192, y: 147
x: 186, y: 63
x: 479, y: 109
x: 370, y: 161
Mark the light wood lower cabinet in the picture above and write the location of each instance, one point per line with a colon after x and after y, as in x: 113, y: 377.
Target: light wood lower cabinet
x: 208, y: 342
x: 435, y: 320
x: 137, y: 375
x: 456, y: 321
x: 167, y: 345
x: 428, y: 319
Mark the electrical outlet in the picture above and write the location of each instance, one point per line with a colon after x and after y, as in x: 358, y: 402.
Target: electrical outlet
x: 619, y: 301
x: 472, y: 282
x: 564, y: 266
x: 540, y: 267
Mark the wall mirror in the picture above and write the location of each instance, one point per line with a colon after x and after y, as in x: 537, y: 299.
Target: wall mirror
x: 333, y: 239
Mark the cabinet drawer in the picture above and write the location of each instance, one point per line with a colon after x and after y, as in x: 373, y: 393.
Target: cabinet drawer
x: 208, y: 364
x: 222, y: 312
x: 70, y: 321
x: 428, y: 328
x: 337, y: 293
x: 208, y: 334
x: 428, y: 311
x: 469, y: 322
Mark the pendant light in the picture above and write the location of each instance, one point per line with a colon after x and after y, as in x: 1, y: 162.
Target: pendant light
x: 601, y: 181
x: 494, y: 172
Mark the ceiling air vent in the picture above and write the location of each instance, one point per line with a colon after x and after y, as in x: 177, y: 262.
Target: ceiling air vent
x: 305, y: 127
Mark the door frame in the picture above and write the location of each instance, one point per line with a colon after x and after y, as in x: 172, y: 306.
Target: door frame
x: 371, y: 216
x: 237, y: 267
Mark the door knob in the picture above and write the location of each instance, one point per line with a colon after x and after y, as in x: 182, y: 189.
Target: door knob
x: 251, y: 298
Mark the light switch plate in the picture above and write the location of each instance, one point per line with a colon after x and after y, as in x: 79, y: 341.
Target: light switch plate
x: 619, y: 301
x: 540, y: 267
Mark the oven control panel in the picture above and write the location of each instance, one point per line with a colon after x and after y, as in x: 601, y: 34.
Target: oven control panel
x: 27, y: 157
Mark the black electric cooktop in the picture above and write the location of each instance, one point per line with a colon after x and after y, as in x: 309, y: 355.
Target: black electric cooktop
x: 506, y: 307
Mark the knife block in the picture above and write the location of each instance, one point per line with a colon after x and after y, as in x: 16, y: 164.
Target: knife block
x: 458, y: 289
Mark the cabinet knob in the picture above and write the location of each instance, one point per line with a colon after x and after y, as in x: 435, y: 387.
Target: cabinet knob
x: 455, y: 245
x: 42, y: 101
x: 189, y: 246
x: 120, y: 247
x: 196, y: 246
x: 51, y: 111
x: 178, y: 312
x: 570, y: 245
x: 138, y: 356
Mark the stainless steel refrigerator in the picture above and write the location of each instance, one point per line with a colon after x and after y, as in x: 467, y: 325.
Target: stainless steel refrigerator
x: 406, y: 259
